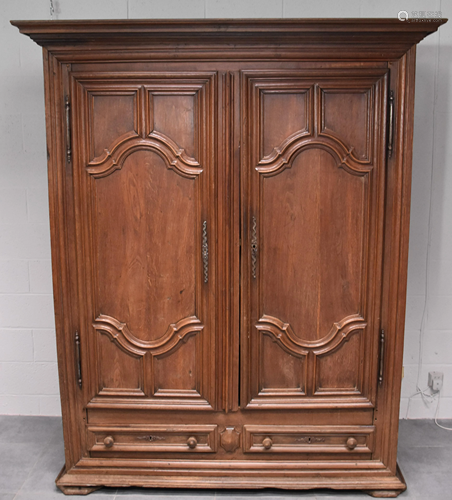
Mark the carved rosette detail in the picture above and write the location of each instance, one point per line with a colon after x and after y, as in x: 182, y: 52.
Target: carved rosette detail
x: 283, y: 334
x: 119, y: 333
x: 230, y: 439
x: 282, y: 156
x: 176, y: 158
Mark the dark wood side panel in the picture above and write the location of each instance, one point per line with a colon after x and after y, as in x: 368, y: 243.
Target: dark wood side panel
x: 63, y: 253
x: 397, y: 226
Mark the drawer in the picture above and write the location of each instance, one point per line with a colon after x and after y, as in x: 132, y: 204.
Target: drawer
x: 308, y: 439
x: 153, y: 438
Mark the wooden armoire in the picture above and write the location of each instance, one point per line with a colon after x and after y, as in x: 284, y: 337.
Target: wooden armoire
x: 229, y: 207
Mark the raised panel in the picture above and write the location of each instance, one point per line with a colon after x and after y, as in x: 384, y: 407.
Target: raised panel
x: 177, y: 372
x: 174, y: 116
x: 146, y: 268
x: 313, y: 226
x: 280, y: 371
x: 112, y: 116
x: 119, y: 373
x: 347, y: 115
x: 274, y: 130
x: 340, y: 370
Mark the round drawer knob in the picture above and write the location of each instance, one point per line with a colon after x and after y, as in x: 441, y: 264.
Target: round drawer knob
x: 267, y: 443
x: 109, y: 442
x: 351, y: 443
x: 192, y: 442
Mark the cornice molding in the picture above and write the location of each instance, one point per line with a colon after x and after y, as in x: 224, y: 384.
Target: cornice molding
x: 384, y: 38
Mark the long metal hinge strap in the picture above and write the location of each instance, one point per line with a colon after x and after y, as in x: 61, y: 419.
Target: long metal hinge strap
x: 382, y: 356
x: 78, y: 360
x: 67, y: 108
x: 391, y: 124
x: 205, y: 252
x: 253, y: 247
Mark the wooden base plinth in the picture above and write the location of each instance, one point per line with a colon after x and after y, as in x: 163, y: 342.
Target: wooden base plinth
x: 77, y: 482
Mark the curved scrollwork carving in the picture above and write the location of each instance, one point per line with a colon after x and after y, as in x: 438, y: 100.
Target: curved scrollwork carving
x: 119, y: 333
x: 283, y: 333
x: 176, y: 158
x: 283, y: 155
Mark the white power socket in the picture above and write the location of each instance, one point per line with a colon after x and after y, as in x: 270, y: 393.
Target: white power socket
x: 435, y: 380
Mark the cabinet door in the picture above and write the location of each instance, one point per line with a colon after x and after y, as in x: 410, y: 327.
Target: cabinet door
x: 144, y: 186
x: 313, y: 189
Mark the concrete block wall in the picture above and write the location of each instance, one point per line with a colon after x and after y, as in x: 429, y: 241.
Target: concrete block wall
x: 28, y: 372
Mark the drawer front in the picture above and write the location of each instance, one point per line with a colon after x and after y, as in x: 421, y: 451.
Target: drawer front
x: 308, y: 439
x: 153, y: 438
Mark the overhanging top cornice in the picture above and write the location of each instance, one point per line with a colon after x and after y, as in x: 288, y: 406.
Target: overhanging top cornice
x: 385, y: 38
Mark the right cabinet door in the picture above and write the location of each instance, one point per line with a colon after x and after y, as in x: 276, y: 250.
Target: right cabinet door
x: 313, y: 179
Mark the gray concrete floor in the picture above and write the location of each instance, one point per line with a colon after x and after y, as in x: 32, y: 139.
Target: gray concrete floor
x: 31, y: 455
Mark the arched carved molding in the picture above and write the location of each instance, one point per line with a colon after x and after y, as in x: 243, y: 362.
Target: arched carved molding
x: 118, y: 143
x: 282, y: 156
x: 343, y: 337
x: 288, y: 347
x: 283, y: 333
x: 279, y: 150
x: 120, y: 333
x: 329, y: 135
x: 175, y: 157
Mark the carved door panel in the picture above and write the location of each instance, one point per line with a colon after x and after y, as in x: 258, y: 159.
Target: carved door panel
x: 146, y: 239
x: 313, y: 191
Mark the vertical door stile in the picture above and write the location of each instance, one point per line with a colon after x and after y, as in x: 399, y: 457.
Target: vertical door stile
x: 227, y: 248
x: 235, y: 247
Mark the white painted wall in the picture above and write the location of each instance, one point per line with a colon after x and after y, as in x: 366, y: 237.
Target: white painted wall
x: 28, y: 373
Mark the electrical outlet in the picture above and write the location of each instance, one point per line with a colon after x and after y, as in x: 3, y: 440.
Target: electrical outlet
x: 435, y: 381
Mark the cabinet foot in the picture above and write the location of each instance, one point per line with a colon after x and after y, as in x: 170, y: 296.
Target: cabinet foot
x: 384, y: 493
x: 73, y: 490
x: 78, y: 490
x: 389, y: 493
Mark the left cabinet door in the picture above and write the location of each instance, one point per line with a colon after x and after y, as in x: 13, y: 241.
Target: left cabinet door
x: 143, y: 182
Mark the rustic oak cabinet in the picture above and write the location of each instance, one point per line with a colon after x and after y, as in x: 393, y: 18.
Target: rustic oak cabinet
x: 229, y: 211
